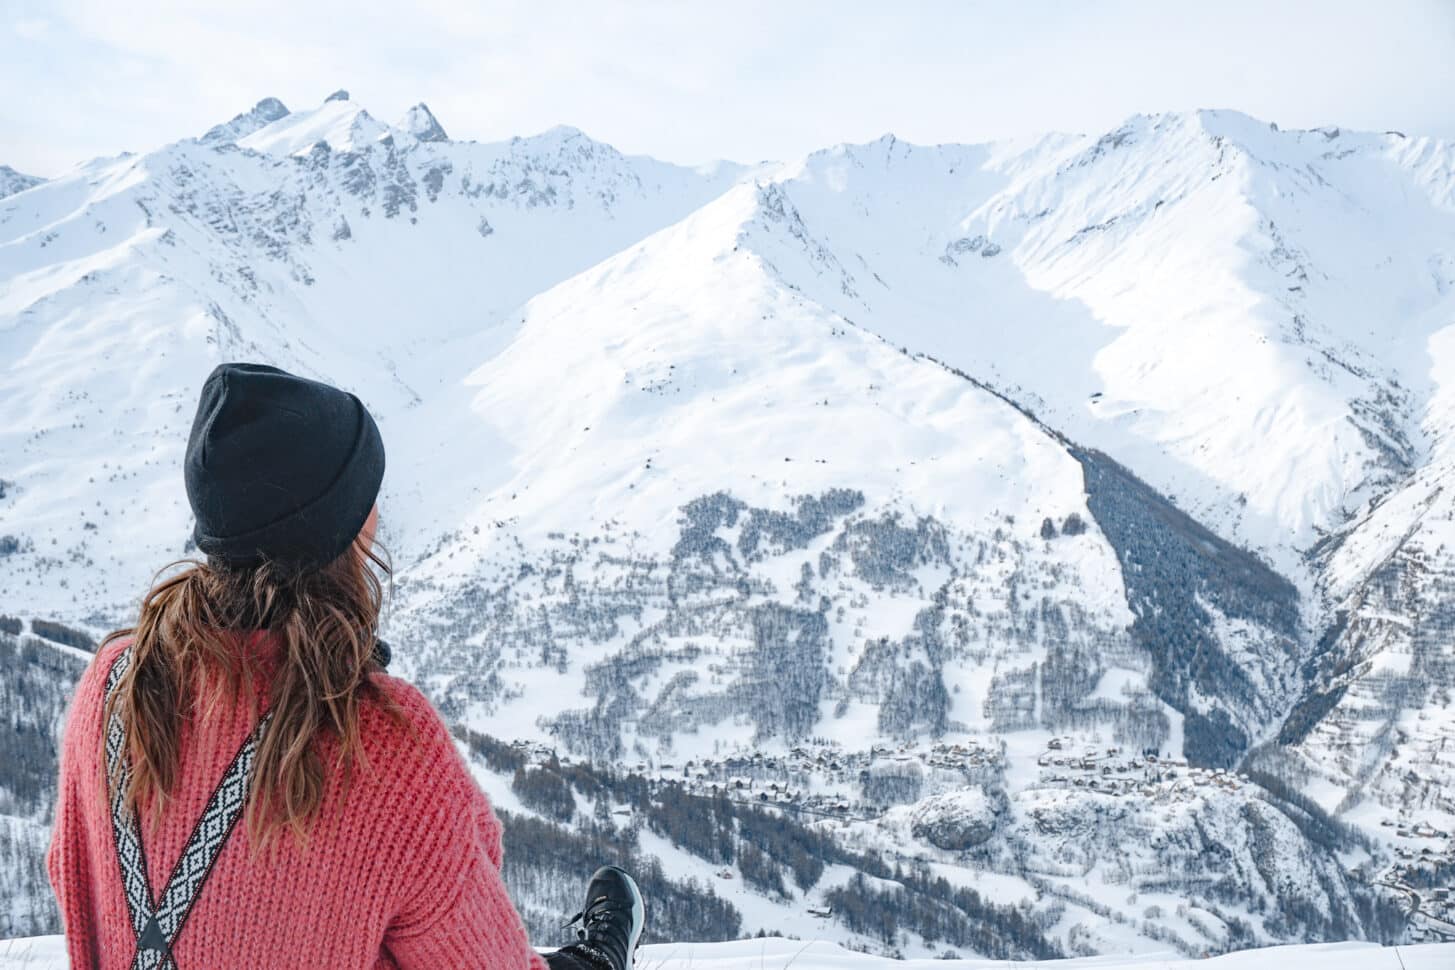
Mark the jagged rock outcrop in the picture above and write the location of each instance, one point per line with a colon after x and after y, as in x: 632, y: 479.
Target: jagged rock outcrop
x: 422, y: 124
x: 262, y: 114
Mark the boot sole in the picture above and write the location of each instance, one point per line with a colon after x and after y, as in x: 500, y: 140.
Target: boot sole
x: 639, y: 919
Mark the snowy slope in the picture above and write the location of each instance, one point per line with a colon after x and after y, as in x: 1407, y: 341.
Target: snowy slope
x: 957, y: 502
x: 384, y: 268
x: 1252, y: 320
x: 1238, y: 314
x: 48, y: 953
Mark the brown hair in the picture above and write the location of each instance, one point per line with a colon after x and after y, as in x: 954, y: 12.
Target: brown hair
x: 187, y: 637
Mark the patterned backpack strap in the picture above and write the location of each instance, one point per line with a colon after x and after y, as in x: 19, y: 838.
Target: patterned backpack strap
x: 157, y: 928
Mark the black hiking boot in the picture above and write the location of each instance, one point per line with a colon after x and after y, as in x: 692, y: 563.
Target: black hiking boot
x: 611, y: 920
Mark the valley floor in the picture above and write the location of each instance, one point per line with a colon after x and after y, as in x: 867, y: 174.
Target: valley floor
x: 47, y: 953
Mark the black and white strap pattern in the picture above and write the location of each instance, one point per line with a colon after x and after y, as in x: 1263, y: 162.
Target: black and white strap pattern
x: 157, y: 928
x: 128, y: 842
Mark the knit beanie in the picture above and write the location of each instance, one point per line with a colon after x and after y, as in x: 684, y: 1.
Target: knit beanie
x: 279, y: 467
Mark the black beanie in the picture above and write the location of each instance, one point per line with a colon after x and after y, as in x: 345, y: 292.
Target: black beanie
x: 279, y: 467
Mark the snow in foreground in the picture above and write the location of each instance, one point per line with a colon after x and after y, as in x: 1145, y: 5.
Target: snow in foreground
x: 48, y: 953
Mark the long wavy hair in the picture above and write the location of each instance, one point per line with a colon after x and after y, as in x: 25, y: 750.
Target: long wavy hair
x: 186, y: 650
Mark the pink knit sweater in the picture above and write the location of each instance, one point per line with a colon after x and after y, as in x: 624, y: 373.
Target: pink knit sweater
x: 403, y: 870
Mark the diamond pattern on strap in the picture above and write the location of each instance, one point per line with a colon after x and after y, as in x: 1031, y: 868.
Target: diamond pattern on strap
x: 157, y: 928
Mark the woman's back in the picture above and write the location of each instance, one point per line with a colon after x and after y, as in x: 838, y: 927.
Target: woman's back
x: 401, y: 865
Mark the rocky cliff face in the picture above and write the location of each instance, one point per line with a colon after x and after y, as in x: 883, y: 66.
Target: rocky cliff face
x: 12, y: 181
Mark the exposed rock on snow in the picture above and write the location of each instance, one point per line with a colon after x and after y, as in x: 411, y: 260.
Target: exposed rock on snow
x: 265, y: 112
x: 421, y: 123
x: 12, y: 181
x: 959, y: 820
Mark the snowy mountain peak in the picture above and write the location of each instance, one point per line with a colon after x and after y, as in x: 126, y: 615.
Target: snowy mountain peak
x: 264, y: 113
x: 341, y: 94
x: 340, y: 124
x: 884, y: 148
x: 420, y: 122
x: 557, y: 135
x: 565, y: 145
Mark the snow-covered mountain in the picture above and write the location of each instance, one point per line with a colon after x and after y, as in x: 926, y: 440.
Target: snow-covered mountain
x: 1060, y: 518
x: 48, y: 953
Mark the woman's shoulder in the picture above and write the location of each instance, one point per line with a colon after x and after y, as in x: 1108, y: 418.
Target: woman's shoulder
x: 403, y: 723
x: 92, y: 684
x: 416, y: 708
x: 83, y: 714
x: 107, y: 654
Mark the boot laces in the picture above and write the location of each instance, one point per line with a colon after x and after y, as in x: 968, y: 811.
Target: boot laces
x: 598, y: 911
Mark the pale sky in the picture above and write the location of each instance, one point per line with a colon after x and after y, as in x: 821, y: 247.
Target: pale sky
x: 694, y: 81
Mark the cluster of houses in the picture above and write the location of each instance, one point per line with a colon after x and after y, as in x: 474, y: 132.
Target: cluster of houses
x: 823, y: 780
x: 1114, y: 772
x: 963, y: 755
x: 1432, y: 917
x: 1418, y: 830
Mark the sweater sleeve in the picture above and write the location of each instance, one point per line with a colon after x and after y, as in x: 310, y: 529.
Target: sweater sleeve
x: 68, y: 861
x: 456, y: 911
x: 69, y: 870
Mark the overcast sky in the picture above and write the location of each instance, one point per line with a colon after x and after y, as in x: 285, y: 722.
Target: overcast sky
x: 690, y: 82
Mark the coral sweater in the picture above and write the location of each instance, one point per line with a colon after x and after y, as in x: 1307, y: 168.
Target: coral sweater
x: 402, y: 870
